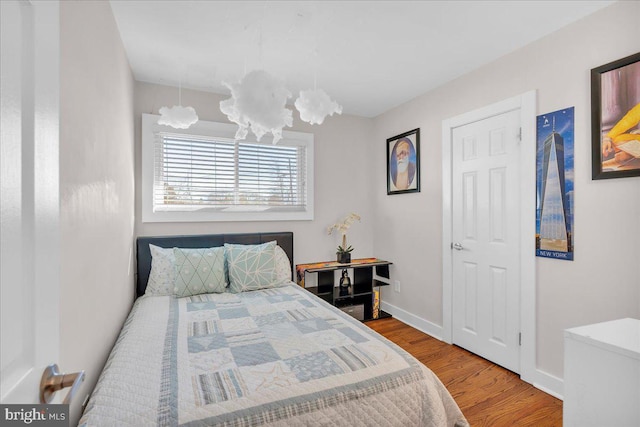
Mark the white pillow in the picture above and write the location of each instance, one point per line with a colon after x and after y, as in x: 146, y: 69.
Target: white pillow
x: 163, y: 272
x: 283, y: 266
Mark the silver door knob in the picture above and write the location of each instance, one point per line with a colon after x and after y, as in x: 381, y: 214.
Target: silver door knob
x: 457, y: 246
x: 52, y: 381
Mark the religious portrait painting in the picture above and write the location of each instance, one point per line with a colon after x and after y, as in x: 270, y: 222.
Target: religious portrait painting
x: 403, y: 163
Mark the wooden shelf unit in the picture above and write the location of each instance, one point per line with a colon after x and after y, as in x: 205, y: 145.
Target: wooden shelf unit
x: 361, y: 295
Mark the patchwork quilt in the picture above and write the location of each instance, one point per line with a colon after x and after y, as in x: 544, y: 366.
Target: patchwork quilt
x: 276, y: 357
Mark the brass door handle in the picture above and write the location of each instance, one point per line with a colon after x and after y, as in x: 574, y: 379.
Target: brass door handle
x: 52, y: 381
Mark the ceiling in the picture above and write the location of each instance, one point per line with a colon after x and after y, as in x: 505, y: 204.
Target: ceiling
x: 370, y: 56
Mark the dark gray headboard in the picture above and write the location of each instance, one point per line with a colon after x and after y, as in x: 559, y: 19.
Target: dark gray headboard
x: 284, y: 239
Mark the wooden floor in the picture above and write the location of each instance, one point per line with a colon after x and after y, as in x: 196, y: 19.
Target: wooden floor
x: 487, y: 394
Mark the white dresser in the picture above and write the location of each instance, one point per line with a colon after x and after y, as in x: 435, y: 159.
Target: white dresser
x: 602, y: 374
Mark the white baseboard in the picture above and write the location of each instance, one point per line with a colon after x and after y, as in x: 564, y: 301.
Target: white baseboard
x: 412, y: 320
x: 548, y: 383
x: 543, y: 381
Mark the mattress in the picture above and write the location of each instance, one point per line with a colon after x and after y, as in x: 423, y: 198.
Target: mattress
x: 276, y: 357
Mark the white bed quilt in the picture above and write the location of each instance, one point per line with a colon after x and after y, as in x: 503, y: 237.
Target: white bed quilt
x: 277, y: 357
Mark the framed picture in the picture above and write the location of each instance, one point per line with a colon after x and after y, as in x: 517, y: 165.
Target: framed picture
x: 403, y: 163
x: 554, y: 184
x: 615, y: 119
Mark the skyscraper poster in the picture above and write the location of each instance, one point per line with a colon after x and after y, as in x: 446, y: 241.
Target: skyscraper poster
x: 554, y: 185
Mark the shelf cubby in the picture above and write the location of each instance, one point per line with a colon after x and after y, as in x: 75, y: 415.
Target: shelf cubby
x: 360, y: 297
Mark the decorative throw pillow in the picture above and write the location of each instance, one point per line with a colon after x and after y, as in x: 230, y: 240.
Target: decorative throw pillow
x: 163, y: 273
x: 199, y: 271
x: 283, y: 266
x: 251, y: 267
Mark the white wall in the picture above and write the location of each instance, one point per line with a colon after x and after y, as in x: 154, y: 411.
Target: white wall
x: 96, y: 189
x: 342, y: 178
x: 603, y: 282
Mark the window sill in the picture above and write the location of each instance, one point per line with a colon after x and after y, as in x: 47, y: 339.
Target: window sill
x: 229, y: 215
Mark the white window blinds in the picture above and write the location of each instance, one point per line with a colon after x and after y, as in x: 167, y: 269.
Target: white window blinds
x: 199, y: 172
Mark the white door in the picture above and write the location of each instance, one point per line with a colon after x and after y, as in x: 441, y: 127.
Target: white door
x: 486, y: 238
x: 29, y: 196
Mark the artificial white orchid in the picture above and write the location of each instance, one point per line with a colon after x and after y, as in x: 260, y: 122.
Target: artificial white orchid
x: 342, y: 228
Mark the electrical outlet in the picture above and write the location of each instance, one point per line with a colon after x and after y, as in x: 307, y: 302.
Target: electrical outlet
x: 396, y: 286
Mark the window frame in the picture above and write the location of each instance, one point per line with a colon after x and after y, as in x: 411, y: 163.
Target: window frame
x: 150, y: 127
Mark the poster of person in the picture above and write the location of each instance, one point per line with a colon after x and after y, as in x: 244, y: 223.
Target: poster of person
x: 554, y: 184
x: 403, y: 163
x: 615, y: 93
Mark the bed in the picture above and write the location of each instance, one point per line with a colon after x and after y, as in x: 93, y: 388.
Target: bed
x: 278, y: 356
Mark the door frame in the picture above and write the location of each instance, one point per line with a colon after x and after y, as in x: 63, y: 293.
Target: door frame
x: 37, y: 136
x: 526, y: 103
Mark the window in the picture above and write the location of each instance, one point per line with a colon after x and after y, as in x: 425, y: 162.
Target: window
x: 203, y: 174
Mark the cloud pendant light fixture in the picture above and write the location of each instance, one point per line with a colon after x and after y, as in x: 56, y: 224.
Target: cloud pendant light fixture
x: 314, y: 105
x: 178, y: 117
x: 258, y: 102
